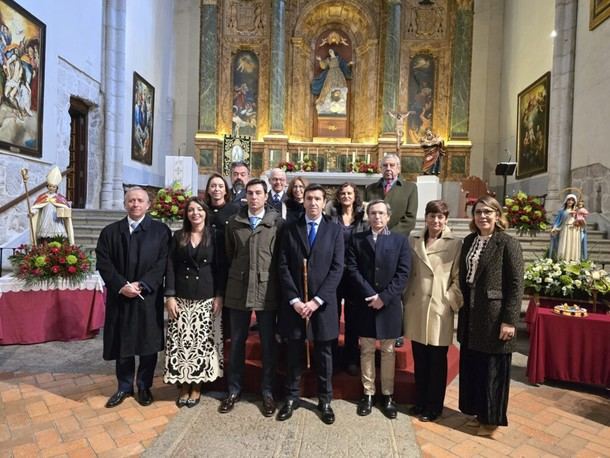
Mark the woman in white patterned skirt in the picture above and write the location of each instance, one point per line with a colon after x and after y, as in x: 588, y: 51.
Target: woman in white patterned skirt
x: 194, y: 289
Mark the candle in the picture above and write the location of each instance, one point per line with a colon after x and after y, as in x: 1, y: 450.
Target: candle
x: 301, y: 155
x: 287, y: 156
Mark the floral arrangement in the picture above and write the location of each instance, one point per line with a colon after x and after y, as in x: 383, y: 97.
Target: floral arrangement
x: 287, y: 166
x: 169, y: 203
x: 307, y: 164
x: 526, y: 213
x: 49, y: 262
x: 365, y: 167
x: 565, y: 279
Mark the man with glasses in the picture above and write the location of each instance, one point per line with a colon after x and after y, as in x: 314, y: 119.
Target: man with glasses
x: 277, y: 194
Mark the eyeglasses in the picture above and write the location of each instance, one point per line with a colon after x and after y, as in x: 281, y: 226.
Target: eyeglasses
x: 484, y: 212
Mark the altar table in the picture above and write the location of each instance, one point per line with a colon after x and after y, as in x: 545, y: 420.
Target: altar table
x: 30, y: 315
x: 572, y: 349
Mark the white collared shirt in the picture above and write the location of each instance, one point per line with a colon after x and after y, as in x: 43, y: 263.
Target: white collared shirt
x: 130, y: 223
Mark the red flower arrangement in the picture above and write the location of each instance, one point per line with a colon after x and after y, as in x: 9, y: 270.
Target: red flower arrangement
x: 169, y: 203
x: 287, y: 166
x: 49, y: 262
x: 364, y: 167
x: 525, y: 213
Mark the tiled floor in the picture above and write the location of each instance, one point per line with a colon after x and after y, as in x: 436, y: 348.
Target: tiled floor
x: 64, y: 415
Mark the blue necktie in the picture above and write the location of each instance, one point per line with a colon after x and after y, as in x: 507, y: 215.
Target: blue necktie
x: 276, y: 199
x: 312, y: 233
x: 253, y: 222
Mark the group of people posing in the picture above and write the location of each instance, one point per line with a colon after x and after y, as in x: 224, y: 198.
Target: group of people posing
x: 295, y: 259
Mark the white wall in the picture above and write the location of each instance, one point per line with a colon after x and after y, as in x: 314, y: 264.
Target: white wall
x: 149, y: 43
x: 77, y: 39
x: 591, y: 92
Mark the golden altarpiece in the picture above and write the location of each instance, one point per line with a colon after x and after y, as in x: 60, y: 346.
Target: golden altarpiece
x: 324, y: 79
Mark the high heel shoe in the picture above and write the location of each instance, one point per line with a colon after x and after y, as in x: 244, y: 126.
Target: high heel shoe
x: 181, y: 402
x: 192, y: 402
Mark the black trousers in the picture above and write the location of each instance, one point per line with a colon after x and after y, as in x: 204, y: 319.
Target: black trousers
x: 240, y: 325
x: 322, y: 359
x: 430, y: 376
x: 126, y: 372
x: 350, y: 338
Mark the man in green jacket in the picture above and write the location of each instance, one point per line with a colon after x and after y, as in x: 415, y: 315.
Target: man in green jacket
x: 251, y: 242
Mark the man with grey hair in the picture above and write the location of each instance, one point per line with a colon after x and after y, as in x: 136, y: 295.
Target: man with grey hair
x: 277, y: 194
x: 377, y: 264
x: 240, y: 175
x: 131, y: 258
x: 400, y: 194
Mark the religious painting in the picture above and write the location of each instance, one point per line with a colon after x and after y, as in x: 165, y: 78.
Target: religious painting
x: 142, y: 122
x: 422, y: 77
x: 245, y: 93
x: 599, y: 12
x: 235, y: 149
x: 22, y: 48
x: 533, y: 127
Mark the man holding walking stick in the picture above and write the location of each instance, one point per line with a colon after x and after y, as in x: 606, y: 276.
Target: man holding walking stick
x: 320, y: 243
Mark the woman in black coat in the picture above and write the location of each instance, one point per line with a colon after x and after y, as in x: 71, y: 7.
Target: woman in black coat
x: 194, y: 287
x: 347, y: 211
x: 491, y: 280
x: 292, y: 208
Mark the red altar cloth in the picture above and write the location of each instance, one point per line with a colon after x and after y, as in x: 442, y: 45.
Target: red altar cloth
x: 28, y: 317
x: 571, y: 349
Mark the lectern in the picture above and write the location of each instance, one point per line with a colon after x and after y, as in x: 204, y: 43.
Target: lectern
x: 505, y: 169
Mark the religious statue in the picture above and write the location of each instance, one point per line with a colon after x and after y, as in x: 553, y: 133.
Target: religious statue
x: 330, y: 86
x: 399, y: 124
x: 433, y: 151
x: 568, y: 234
x: 51, y: 213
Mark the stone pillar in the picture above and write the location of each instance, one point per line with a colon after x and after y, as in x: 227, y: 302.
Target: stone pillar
x: 277, y: 66
x: 462, y: 62
x: 208, y: 66
x: 562, y: 103
x: 391, y: 63
x: 114, y: 90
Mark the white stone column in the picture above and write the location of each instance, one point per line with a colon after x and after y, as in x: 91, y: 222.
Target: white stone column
x: 114, y: 92
x: 562, y: 102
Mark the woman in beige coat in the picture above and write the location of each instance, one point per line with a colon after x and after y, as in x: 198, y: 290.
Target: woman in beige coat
x: 432, y: 296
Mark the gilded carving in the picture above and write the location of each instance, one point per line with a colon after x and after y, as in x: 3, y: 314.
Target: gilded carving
x: 426, y: 22
x: 245, y: 18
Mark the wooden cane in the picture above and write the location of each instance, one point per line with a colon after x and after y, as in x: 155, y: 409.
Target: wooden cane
x: 306, y: 294
x: 25, y: 177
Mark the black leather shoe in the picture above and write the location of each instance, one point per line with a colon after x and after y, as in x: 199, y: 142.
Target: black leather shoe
x: 287, y: 409
x: 145, y: 397
x: 388, y: 407
x: 268, y: 406
x: 365, y: 405
x: 327, y: 414
x: 416, y: 410
x: 429, y: 416
x: 117, y: 398
x: 399, y: 342
x: 228, y: 403
x: 190, y: 403
x: 181, y: 402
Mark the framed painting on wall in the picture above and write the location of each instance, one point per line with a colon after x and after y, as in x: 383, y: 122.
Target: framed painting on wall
x: 22, y: 51
x: 235, y: 149
x: 533, y: 127
x: 143, y: 121
x: 599, y: 12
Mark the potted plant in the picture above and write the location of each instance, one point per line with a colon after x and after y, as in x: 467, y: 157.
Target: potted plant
x: 169, y: 203
x: 50, y: 263
x: 526, y: 213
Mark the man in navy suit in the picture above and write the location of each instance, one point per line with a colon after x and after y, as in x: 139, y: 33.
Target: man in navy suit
x: 320, y: 242
x: 277, y: 194
x: 378, y: 263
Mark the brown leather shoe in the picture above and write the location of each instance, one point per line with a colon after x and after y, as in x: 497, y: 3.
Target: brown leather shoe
x: 228, y: 403
x: 268, y: 406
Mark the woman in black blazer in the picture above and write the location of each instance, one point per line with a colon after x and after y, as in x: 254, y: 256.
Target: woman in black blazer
x: 491, y: 280
x: 194, y: 286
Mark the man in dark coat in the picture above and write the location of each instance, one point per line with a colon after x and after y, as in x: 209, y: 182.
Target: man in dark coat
x: 378, y: 264
x: 252, y: 242
x: 400, y: 195
x: 240, y: 175
x: 277, y: 193
x: 131, y: 258
x: 318, y: 241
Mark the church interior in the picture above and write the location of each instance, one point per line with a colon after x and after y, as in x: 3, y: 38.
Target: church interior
x: 329, y: 86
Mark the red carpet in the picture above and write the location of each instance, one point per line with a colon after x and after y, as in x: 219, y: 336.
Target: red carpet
x: 345, y: 386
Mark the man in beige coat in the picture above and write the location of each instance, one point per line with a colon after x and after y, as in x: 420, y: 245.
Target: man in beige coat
x: 432, y: 297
